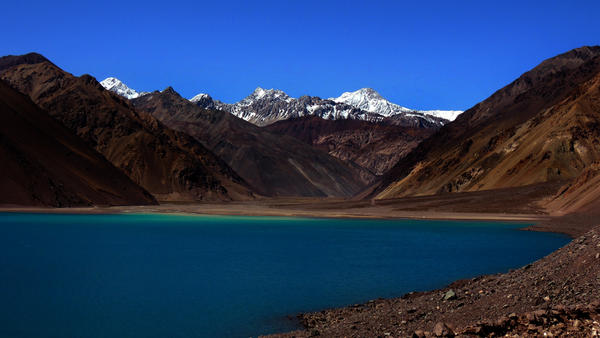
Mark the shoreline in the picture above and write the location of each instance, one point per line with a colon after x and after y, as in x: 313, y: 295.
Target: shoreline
x: 242, y: 209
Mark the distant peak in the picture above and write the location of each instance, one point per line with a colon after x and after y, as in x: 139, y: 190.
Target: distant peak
x: 363, y: 92
x: 118, y: 87
x: 200, y: 97
x: 368, y: 91
x: 263, y: 91
x: 169, y: 90
x: 266, y: 94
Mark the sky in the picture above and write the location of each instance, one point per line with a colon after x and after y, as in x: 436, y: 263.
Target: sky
x: 419, y: 54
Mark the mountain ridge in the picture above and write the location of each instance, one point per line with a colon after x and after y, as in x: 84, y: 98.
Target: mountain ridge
x: 169, y: 164
x: 266, y: 106
x: 273, y: 164
x: 526, y: 132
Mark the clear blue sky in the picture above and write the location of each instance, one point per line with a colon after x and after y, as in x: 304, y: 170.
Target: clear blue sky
x: 420, y: 54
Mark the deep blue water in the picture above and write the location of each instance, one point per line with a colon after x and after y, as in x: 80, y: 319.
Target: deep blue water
x: 196, y: 276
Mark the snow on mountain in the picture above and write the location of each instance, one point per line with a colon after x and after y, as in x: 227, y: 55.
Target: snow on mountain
x: 116, y: 86
x: 449, y: 115
x: 369, y: 100
x: 200, y: 97
x: 266, y: 106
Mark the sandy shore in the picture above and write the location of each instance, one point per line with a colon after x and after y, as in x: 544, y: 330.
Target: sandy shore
x: 269, y: 208
x: 515, y: 204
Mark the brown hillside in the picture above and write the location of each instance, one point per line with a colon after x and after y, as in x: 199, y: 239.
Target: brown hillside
x: 376, y: 147
x: 275, y: 165
x: 543, y: 127
x: 45, y: 164
x: 169, y: 164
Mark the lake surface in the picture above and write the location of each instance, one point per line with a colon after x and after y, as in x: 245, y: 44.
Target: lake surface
x: 214, y: 276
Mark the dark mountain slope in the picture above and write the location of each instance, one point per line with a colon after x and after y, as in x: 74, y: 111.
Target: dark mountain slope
x: 169, y: 164
x: 542, y: 127
x: 376, y: 146
x: 45, y: 164
x: 276, y: 165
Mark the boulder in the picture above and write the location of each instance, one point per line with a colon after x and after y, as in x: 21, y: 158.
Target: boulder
x: 450, y: 295
x: 442, y: 330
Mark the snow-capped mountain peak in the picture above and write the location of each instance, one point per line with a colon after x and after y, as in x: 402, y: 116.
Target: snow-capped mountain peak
x: 371, y: 101
x: 264, y: 94
x: 266, y: 106
x: 200, y: 97
x: 449, y: 115
x: 204, y: 100
x: 117, y: 86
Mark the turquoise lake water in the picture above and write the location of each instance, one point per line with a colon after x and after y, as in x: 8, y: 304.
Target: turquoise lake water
x: 226, y: 276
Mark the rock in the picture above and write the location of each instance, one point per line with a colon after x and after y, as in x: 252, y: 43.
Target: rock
x: 502, y: 321
x: 547, y: 299
x: 539, y: 314
x: 530, y: 317
x: 450, y: 295
x: 442, y: 330
x: 418, y: 334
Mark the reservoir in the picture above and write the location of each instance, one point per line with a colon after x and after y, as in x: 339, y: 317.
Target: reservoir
x: 153, y: 275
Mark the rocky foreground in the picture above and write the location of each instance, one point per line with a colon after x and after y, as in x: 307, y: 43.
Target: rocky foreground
x: 556, y: 296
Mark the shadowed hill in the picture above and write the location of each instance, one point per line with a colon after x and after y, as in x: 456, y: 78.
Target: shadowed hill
x: 169, y: 164
x: 375, y: 146
x: 275, y: 165
x: 45, y: 164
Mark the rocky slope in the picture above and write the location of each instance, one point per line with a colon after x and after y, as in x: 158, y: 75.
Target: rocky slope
x: 45, y: 164
x: 543, y: 127
x: 266, y: 106
x: 169, y: 164
x: 376, y: 146
x: 275, y: 165
x: 581, y: 194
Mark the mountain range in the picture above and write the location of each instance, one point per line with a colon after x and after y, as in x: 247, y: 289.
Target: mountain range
x: 169, y: 164
x: 274, y: 165
x: 266, y: 106
x: 543, y: 128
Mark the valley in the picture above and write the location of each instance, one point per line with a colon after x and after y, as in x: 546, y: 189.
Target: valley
x: 530, y: 153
